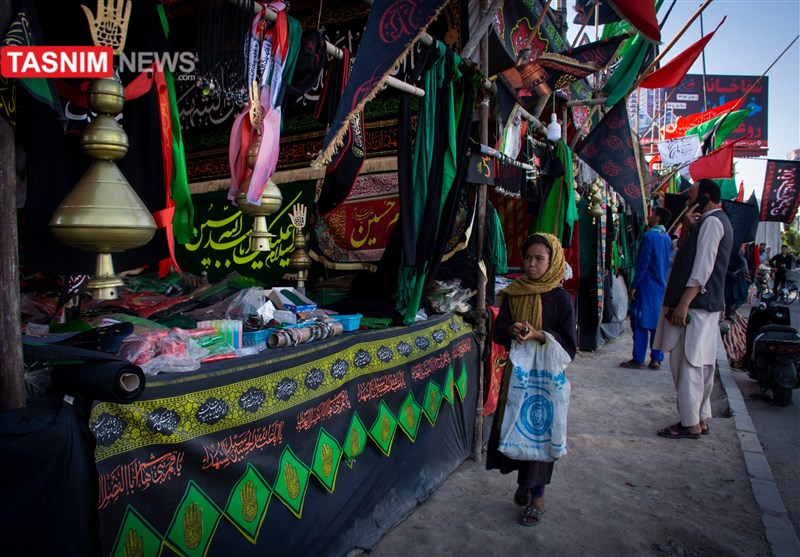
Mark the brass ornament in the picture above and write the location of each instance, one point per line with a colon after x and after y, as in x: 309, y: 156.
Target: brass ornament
x: 110, y: 28
x: 271, y: 200
x: 300, y: 260
x: 103, y: 213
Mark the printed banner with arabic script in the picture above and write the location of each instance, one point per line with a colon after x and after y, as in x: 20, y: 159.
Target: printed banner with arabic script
x: 355, y: 234
x: 287, y: 452
x: 781, y: 191
x: 222, y: 237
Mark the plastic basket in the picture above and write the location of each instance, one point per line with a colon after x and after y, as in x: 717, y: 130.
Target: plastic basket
x: 793, y: 276
x: 349, y: 322
x: 253, y: 338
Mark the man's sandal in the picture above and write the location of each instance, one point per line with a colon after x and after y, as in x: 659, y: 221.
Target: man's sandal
x: 531, y: 515
x: 677, y: 431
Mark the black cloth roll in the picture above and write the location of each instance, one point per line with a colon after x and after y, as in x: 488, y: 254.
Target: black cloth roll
x: 115, y: 381
x: 88, y: 373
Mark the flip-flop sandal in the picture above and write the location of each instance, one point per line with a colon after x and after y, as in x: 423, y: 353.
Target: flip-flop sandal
x: 705, y: 431
x: 531, y: 515
x: 677, y: 431
x: 522, y: 496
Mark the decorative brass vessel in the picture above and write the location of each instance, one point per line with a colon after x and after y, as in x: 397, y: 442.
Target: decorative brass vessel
x: 103, y: 213
x: 271, y: 200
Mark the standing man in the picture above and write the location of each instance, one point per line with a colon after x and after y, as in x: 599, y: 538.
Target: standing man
x: 693, y: 302
x: 781, y: 263
x: 647, y: 289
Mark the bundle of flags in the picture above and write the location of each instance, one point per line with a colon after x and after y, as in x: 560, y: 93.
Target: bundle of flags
x: 700, y: 154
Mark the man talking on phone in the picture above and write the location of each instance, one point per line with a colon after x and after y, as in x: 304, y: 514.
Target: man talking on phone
x: 693, y: 302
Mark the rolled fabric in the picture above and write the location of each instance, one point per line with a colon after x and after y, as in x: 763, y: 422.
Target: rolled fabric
x: 89, y: 373
x: 115, y: 381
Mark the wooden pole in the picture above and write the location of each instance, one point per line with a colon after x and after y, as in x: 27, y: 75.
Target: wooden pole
x: 534, y: 32
x: 667, y: 48
x: 578, y: 36
x: 480, y: 30
x: 12, y: 376
x: 480, y: 302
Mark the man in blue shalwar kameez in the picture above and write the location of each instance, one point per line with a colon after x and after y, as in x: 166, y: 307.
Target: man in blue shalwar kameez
x: 647, y: 289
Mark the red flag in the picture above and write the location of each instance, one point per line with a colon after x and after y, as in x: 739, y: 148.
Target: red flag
x: 641, y: 14
x: 740, y: 196
x: 685, y: 123
x: 714, y: 166
x: 671, y: 74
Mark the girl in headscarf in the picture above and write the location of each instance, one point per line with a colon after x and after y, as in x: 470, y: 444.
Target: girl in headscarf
x: 529, y: 307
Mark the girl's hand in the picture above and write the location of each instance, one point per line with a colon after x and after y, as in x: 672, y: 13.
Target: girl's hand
x: 525, y: 331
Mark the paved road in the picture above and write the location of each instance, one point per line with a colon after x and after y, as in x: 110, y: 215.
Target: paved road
x: 778, y: 431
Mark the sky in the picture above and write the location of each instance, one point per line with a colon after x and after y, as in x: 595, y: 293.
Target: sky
x: 754, y: 34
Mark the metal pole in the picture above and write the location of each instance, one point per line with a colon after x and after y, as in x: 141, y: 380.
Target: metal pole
x: 480, y: 303
x: 12, y: 376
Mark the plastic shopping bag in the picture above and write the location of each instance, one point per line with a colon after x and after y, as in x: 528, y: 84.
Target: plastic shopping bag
x: 535, y: 418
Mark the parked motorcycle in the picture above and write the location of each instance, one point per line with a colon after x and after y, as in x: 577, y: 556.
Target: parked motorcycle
x: 773, y: 349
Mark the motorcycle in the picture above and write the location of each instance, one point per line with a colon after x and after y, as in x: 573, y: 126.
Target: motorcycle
x: 773, y: 349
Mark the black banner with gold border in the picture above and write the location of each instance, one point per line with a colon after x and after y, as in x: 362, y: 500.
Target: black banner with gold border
x: 311, y: 450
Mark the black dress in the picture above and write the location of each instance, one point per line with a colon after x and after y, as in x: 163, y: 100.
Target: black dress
x: 558, y: 319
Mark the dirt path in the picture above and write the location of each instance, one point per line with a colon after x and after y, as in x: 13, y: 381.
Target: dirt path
x: 620, y: 490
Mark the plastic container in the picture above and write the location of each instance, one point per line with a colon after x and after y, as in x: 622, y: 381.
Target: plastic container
x: 349, y: 322
x: 255, y: 338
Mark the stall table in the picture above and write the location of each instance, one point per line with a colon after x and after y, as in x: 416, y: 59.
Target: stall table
x: 310, y: 450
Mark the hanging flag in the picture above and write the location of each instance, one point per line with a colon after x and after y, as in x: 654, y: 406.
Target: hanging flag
x: 740, y: 195
x: 641, y: 14
x: 744, y: 221
x: 564, y: 68
x: 781, y: 187
x: 685, y: 123
x: 719, y: 128
x: 585, y: 13
x: 713, y: 166
x: 679, y: 150
x: 671, y: 73
x: 608, y: 150
x: 26, y: 31
x: 560, y: 69
x: 391, y: 30
x: 727, y: 186
x: 635, y: 53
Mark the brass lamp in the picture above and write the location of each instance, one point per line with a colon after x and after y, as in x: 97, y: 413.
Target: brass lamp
x: 103, y: 213
x: 271, y: 200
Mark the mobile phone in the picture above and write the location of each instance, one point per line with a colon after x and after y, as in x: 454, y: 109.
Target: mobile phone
x: 702, y: 201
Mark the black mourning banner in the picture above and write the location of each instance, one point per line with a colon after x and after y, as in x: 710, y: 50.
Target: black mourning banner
x: 780, y: 198
x: 744, y: 221
x: 608, y: 149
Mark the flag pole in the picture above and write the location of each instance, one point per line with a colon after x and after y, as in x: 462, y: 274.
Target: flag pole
x: 578, y: 36
x: 533, y: 33
x: 667, y: 48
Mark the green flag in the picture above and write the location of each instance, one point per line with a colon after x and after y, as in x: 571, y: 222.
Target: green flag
x: 722, y: 128
x: 728, y: 186
x: 632, y: 52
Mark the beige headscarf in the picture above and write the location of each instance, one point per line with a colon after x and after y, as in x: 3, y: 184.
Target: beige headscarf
x: 524, y: 294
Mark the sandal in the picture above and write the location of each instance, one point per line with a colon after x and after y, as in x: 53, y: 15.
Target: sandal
x: 531, y: 515
x: 677, y: 431
x: 522, y: 496
x: 654, y: 364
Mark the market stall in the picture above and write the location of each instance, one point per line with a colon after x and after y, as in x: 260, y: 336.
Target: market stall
x: 311, y: 450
